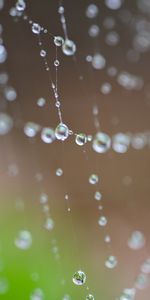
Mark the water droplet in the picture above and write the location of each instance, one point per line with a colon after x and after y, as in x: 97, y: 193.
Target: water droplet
x: 128, y: 294
x: 3, y: 78
x: 101, y: 142
x: 31, y: 129
x: 49, y: 224
x: 20, y: 5
x: 47, y: 135
x: 145, y: 268
x: 98, y: 196
x: 10, y: 94
x: 1, y: 4
x: 3, y: 54
x: 61, y: 9
x: 111, y: 262
x: 79, y: 278
x: 129, y: 81
x: 81, y: 139
x: 41, y: 102
x: 59, y: 172
x: 6, y: 123
x: 61, y: 132
x: 93, y: 179
x: 102, y: 221
x: 109, y: 22
x: 120, y: 142
x: 106, y: 88
x: 112, y: 38
x: 37, y: 295
x: 36, y: 28
x: 138, y: 141
x: 42, y: 53
x: 89, y: 297
x: 98, y: 61
x: 136, y: 241
x: 66, y: 297
x: 24, y: 240
x: 114, y: 4
x: 58, y: 41
x: 94, y: 31
x: 56, y: 63
x: 92, y: 11
x: 43, y: 198
x: 69, y: 47
x: 142, y: 281
x: 107, y: 239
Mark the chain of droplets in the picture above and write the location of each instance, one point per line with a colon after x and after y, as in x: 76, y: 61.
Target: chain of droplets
x: 141, y: 282
x: 68, y: 47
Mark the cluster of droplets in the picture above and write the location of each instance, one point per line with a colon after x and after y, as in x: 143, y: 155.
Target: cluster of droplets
x: 102, y: 142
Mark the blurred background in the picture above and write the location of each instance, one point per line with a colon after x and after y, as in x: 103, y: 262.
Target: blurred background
x: 48, y: 223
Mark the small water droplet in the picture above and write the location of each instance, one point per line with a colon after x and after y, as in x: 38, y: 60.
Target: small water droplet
x: 20, y: 5
x: 101, y: 143
x: 61, y: 132
x: 59, y: 172
x: 102, y: 221
x: 79, y: 278
x: 56, y: 63
x: 58, y: 41
x: 36, y: 28
x: 69, y: 47
x: 136, y: 241
x: 111, y: 262
x: 98, y: 196
x: 47, y: 135
x: 41, y: 102
x: 42, y: 53
x: 6, y: 123
x: 49, y: 224
x: 89, y: 297
x: 23, y: 240
x: 93, y: 179
x: 81, y: 139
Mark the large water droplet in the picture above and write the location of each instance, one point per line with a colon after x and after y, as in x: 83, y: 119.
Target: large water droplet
x: 6, y: 123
